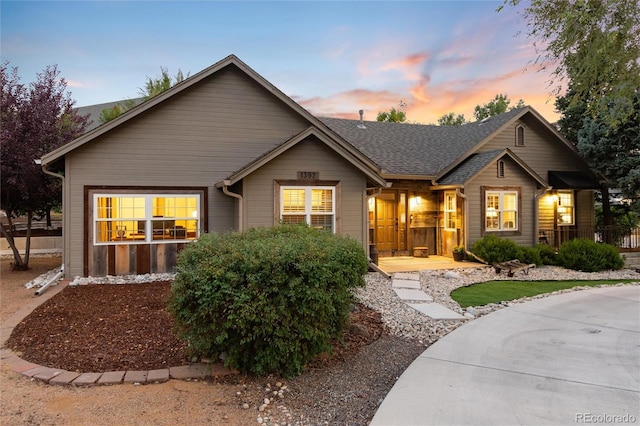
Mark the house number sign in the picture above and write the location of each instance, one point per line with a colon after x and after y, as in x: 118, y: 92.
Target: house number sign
x: 308, y: 175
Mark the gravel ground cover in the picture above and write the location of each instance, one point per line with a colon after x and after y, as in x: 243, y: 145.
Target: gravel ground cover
x: 344, y: 389
x: 402, y: 320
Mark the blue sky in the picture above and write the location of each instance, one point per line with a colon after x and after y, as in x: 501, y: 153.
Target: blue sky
x: 332, y: 57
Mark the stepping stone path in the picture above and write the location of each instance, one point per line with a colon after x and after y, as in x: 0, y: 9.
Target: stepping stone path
x: 407, y: 287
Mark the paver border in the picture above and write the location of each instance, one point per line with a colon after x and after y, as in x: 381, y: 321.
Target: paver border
x: 60, y: 377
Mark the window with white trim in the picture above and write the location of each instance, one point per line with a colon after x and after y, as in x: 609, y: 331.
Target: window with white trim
x: 314, y: 205
x: 450, y: 210
x: 501, y: 210
x: 145, y: 218
x: 565, y: 208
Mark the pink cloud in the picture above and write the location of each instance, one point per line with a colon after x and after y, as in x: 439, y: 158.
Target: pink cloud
x: 435, y: 82
x: 373, y: 67
x: 426, y: 101
x: 408, y: 61
x: 462, y: 96
x: 347, y: 104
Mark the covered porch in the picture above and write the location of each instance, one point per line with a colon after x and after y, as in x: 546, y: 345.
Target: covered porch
x: 414, y: 216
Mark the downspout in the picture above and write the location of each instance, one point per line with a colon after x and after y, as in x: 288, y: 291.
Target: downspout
x: 51, y: 281
x: 225, y: 190
x: 60, y: 273
x: 536, y: 213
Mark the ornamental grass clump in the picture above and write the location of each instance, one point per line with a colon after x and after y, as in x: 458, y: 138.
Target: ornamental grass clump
x: 269, y: 299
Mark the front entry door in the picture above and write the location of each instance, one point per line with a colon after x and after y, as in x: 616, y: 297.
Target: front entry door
x: 386, y: 223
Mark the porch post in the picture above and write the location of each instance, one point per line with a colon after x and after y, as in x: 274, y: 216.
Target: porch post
x: 465, y: 219
x: 536, y: 213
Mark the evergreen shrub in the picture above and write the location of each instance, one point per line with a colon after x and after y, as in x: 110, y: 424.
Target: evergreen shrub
x: 529, y: 255
x: 269, y: 299
x: 582, y: 254
x: 548, y: 254
x: 495, y: 249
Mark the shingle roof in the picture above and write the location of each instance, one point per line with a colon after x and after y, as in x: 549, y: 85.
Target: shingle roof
x: 416, y: 149
x: 472, y: 165
x: 94, y: 112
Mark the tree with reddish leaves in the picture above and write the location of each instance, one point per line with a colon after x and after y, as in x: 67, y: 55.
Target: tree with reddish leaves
x: 35, y: 119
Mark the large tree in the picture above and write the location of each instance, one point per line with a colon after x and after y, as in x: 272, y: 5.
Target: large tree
x: 393, y: 115
x: 593, y: 48
x: 593, y: 45
x: 614, y: 151
x: 498, y: 105
x: 35, y: 120
x: 452, y: 119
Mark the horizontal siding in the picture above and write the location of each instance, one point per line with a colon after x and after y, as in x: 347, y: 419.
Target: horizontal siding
x: 514, y: 177
x: 217, y: 136
x: 542, y: 150
x: 585, y: 210
x: 309, y: 155
x: 584, y: 216
x: 546, y: 214
x: 196, y: 138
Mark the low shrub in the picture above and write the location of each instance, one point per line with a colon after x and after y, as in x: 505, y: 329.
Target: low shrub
x: 582, y: 254
x: 529, y: 255
x: 495, y: 249
x: 548, y: 254
x: 269, y: 299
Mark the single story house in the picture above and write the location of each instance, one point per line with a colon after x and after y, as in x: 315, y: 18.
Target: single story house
x: 226, y: 150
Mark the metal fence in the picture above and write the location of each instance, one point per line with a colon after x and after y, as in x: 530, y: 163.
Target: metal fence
x: 622, y: 237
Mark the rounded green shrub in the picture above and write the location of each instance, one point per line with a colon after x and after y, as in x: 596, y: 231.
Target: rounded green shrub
x: 495, y: 249
x: 548, y: 254
x: 582, y: 254
x: 269, y: 299
x: 529, y: 255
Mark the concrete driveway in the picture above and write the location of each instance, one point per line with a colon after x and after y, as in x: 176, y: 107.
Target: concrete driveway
x: 572, y: 358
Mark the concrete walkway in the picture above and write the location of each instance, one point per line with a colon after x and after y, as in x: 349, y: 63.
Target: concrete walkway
x: 407, y: 287
x: 567, y: 359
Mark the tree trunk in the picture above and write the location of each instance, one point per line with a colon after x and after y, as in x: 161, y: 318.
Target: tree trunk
x: 8, y: 234
x: 606, y: 214
x: 27, y: 242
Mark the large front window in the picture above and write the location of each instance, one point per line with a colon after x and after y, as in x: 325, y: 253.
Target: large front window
x: 136, y: 218
x: 501, y: 210
x: 314, y: 205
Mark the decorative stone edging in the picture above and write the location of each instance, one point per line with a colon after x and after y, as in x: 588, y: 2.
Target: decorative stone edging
x: 56, y: 376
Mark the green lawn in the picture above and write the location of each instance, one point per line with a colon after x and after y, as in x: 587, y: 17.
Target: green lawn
x: 499, y: 291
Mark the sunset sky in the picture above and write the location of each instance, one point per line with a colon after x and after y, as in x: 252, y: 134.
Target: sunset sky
x: 331, y: 57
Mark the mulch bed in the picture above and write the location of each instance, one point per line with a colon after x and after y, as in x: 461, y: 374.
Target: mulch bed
x: 117, y: 327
